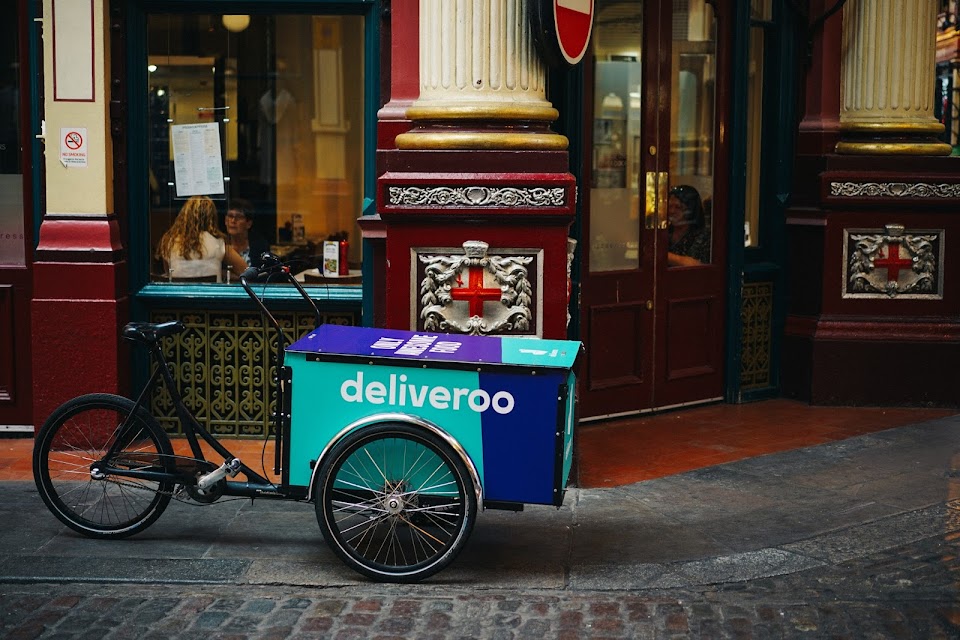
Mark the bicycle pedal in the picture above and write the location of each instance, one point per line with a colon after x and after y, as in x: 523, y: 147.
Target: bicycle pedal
x: 228, y: 468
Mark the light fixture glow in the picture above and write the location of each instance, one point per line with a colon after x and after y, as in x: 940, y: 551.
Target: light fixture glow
x: 236, y: 23
x: 151, y: 68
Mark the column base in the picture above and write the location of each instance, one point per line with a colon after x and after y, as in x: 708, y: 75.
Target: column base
x: 508, y: 126
x: 875, y: 148
x: 857, y: 362
x: 892, y: 139
x: 481, y: 140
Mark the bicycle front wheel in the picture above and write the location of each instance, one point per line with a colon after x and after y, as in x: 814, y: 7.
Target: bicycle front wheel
x: 395, y: 502
x: 80, y: 433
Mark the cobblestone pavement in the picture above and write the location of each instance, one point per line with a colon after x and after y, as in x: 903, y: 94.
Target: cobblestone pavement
x: 908, y: 592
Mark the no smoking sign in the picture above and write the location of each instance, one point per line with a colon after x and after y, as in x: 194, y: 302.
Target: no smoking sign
x: 73, y: 146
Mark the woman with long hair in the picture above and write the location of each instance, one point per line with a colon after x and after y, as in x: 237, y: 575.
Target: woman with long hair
x: 689, y: 236
x: 194, y: 247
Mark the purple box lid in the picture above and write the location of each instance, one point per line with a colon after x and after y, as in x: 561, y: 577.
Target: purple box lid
x: 395, y: 343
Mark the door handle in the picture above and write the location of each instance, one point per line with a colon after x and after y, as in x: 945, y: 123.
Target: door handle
x: 650, y: 214
x: 655, y: 215
x: 663, y: 183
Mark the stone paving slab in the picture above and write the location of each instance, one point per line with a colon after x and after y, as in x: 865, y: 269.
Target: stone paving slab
x: 759, y: 518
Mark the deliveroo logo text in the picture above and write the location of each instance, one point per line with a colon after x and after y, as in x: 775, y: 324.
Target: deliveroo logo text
x: 399, y: 393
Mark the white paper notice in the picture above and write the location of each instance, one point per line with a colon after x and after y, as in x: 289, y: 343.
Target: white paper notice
x: 73, y: 146
x: 197, y: 160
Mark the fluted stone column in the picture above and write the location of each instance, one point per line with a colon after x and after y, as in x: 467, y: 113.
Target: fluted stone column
x: 888, y: 63
x: 482, y: 84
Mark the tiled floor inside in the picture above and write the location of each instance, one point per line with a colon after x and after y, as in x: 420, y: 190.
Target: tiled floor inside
x: 628, y: 450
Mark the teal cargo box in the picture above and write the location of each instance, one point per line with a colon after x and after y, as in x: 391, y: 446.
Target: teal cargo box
x: 509, y: 403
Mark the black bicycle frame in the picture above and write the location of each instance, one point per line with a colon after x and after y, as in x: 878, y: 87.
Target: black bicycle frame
x: 260, y: 486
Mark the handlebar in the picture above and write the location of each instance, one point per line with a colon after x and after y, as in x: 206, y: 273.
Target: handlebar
x: 272, y: 266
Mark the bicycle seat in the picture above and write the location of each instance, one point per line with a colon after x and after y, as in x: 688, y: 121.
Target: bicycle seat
x: 149, y: 332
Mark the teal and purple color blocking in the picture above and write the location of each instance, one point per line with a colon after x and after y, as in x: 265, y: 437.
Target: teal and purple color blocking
x: 509, y: 402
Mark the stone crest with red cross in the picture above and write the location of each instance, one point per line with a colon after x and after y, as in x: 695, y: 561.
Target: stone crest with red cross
x: 477, y: 292
x: 893, y: 263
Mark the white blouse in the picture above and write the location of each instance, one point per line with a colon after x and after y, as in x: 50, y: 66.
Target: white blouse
x: 208, y: 263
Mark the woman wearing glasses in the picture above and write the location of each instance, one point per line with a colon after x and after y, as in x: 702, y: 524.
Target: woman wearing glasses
x: 239, y: 223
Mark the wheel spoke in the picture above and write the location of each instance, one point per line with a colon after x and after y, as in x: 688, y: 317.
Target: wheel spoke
x: 393, y: 503
x: 76, y: 437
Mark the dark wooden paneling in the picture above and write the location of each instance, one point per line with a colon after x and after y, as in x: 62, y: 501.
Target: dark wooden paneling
x: 615, y: 355
x: 7, y: 351
x: 691, y: 335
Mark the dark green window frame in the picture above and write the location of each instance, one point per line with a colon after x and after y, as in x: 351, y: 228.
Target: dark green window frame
x: 150, y: 295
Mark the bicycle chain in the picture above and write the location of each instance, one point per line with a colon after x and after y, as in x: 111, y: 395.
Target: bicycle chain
x: 178, y: 489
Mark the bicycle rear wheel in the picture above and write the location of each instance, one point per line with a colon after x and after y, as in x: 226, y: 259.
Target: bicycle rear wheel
x: 395, y: 502
x: 80, y: 433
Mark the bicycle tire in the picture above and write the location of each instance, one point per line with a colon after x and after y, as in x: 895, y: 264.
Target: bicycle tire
x: 79, y: 433
x: 395, y: 502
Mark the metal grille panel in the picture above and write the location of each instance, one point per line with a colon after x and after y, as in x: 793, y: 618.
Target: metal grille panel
x: 224, y: 364
x: 756, y: 316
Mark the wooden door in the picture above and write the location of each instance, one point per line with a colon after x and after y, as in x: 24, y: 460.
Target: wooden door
x: 654, y: 216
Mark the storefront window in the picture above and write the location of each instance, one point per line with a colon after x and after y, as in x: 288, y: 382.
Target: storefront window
x: 263, y: 115
x: 11, y: 173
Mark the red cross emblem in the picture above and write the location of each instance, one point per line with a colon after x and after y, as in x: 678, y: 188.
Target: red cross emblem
x: 475, y: 293
x: 893, y: 262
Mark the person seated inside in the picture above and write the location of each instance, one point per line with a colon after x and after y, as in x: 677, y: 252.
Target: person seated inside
x: 194, y: 247
x: 688, y: 234
x: 239, y: 223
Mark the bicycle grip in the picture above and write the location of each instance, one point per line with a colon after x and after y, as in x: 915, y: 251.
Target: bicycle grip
x: 251, y: 274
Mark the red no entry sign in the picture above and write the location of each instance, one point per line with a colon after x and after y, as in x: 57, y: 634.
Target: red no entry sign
x: 574, y: 20
x: 561, y: 29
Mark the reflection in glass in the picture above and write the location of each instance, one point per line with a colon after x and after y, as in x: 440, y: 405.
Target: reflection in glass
x: 751, y: 223
x: 615, y: 193
x: 692, y: 131
x: 266, y: 119
x: 688, y: 235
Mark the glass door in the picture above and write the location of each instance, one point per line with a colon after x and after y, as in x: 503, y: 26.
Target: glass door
x: 654, y: 218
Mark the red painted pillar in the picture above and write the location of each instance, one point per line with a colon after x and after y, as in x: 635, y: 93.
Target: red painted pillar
x: 869, y: 270
x: 473, y: 185
x: 79, y: 305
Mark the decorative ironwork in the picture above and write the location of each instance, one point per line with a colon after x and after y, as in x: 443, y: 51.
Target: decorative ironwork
x: 894, y: 190
x: 478, y: 196
x: 438, y: 295
x: 876, y: 266
x: 756, y: 316
x: 571, y: 249
x: 224, y: 363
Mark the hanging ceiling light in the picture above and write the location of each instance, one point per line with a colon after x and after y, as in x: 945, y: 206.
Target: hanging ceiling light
x: 236, y: 23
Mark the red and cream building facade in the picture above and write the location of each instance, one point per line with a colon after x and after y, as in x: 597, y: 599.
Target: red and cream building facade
x: 495, y: 193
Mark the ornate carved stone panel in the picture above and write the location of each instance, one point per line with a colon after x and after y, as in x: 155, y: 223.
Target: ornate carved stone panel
x: 477, y: 291
x: 895, y: 190
x: 476, y: 196
x: 893, y: 263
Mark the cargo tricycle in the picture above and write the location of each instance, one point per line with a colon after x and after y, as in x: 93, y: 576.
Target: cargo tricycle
x: 397, y: 438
